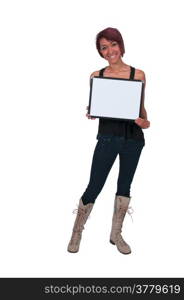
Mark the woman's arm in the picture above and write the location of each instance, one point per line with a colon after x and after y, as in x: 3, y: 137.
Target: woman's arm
x: 143, y: 120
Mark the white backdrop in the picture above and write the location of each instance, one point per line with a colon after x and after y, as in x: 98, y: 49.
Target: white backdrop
x: 46, y: 143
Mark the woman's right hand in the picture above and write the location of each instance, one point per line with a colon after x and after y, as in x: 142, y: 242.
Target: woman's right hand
x: 88, y: 116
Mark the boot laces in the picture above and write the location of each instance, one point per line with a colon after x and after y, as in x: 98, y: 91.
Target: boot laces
x: 81, y: 218
x: 120, y: 216
x: 130, y: 211
x: 123, y: 211
x: 80, y: 211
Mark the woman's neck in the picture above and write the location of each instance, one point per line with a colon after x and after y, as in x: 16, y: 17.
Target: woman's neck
x: 117, y: 67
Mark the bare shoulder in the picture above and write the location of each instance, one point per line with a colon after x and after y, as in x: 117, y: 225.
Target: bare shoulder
x: 95, y: 73
x: 140, y: 75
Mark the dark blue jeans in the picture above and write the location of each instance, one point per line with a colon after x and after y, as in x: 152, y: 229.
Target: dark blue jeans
x: 106, y: 151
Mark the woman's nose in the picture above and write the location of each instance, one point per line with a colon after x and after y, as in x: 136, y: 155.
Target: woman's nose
x: 110, y: 51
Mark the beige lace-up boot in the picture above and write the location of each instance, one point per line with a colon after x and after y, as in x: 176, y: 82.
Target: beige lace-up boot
x: 83, y: 212
x: 120, y: 208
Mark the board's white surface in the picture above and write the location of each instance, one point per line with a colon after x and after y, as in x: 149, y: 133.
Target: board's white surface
x: 115, y: 98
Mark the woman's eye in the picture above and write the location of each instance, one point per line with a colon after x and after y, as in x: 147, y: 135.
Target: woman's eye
x: 103, y: 48
x: 114, y: 44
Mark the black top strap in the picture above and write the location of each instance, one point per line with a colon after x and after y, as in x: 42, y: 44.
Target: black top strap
x: 101, y: 72
x: 132, y: 73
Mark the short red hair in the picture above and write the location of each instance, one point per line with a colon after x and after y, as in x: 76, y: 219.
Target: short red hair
x: 110, y: 34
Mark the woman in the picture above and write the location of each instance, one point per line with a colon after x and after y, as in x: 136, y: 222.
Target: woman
x: 115, y: 137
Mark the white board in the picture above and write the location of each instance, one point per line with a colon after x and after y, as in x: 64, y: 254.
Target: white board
x: 115, y: 98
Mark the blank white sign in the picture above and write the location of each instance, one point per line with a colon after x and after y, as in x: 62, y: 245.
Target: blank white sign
x: 115, y: 98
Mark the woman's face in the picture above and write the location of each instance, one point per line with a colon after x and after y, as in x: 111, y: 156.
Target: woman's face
x: 110, y: 50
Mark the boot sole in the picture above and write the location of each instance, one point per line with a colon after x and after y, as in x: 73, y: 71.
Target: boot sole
x: 112, y: 242
x: 72, y: 251
x: 118, y: 249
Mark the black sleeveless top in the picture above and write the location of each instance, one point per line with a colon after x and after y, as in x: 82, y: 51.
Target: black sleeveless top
x: 125, y: 128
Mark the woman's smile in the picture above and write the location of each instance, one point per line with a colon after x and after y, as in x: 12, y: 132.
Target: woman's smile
x: 112, y: 56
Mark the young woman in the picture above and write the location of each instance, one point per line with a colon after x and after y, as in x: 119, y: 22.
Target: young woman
x: 115, y: 137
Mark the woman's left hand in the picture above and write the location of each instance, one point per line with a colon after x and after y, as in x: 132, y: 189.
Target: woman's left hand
x: 143, y: 123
